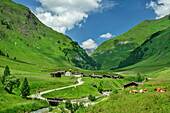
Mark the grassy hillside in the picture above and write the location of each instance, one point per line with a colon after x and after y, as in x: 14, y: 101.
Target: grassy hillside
x: 154, y: 53
x: 24, y: 38
x: 150, y: 102
x: 110, y: 53
x: 12, y: 103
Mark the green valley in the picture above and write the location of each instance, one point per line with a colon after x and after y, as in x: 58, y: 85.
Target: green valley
x: 41, y: 68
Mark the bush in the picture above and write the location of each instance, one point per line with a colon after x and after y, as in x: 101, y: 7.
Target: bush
x: 2, y: 53
x: 68, y: 104
x: 11, y: 82
x: 91, y: 98
x: 81, y: 105
x: 100, y: 89
x: 62, y: 109
x: 7, y: 55
x: 139, y: 78
x: 115, y: 91
x: 50, y: 108
x: 75, y: 107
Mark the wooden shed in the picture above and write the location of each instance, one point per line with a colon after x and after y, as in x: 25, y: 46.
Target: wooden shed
x: 132, y: 84
x: 117, y: 77
x: 55, y: 74
x: 106, y: 76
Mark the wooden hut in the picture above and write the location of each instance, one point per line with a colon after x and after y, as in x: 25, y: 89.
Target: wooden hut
x: 106, y: 76
x: 55, y: 74
x: 117, y: 77
x: 100, y: 76
x: 132, y: 84
x: 86, y: 75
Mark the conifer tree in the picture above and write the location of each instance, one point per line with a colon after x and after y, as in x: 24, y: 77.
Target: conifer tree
x: 6, y: 73
x: 25, y: 89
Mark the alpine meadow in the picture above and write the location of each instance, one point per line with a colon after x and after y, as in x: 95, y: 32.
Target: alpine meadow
x: 43, y: 70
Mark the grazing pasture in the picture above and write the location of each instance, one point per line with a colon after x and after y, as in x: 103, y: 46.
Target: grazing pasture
x: 151, y: 101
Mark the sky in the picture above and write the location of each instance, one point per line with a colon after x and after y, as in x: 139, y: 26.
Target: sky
x: 91, y: 22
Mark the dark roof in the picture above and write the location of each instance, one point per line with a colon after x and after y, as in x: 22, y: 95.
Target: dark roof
x: 133, y: 83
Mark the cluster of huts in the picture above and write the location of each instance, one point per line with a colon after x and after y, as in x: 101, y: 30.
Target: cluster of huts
x: 59, y: 73
x: 103, y: 76
x: 67, y: 73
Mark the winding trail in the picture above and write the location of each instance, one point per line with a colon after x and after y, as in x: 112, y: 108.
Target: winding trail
x: 38, y: 95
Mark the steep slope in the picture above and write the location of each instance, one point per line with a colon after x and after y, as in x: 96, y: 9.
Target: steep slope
x: 157, y: 47
x: 110, y: 53
x: 151, y: 55
x: 24, y: 38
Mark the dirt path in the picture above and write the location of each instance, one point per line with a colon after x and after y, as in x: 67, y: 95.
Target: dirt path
x: 38, y: 96
x: 93, y: 103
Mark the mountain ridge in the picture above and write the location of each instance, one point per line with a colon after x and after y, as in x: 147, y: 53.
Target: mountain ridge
x: 24, y: 37
x: 111, y: 52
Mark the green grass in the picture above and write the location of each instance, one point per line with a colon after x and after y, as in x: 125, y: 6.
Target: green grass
x: 87, y: 88
x: 46, y: 83
x: 35, y: 44
x: 141, y: 102
x: 155, y: 55
x: 110, y: 53
x: 10, y: 103
x: 36, y: 81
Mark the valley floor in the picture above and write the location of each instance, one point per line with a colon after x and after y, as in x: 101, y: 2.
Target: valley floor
x: 121, y: 102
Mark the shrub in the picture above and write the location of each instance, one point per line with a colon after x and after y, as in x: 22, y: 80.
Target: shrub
x: 139, y: 78
x: 11, y: 82
x: 68, y: 104
x: 75, y: 107
x: 91, y: 98
x: 62, y: 109
x: 81, y: 105
x: 100, y: 89
x: 50, y: 108
x: 7, y: 55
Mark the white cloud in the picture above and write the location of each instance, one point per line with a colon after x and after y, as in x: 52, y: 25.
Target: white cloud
x: 161, y: 7
x: 107, y: 35
x: 89, y: 44
x: 63, y: 15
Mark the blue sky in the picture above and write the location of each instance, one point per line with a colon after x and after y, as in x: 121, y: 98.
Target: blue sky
x: 91, y: 22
